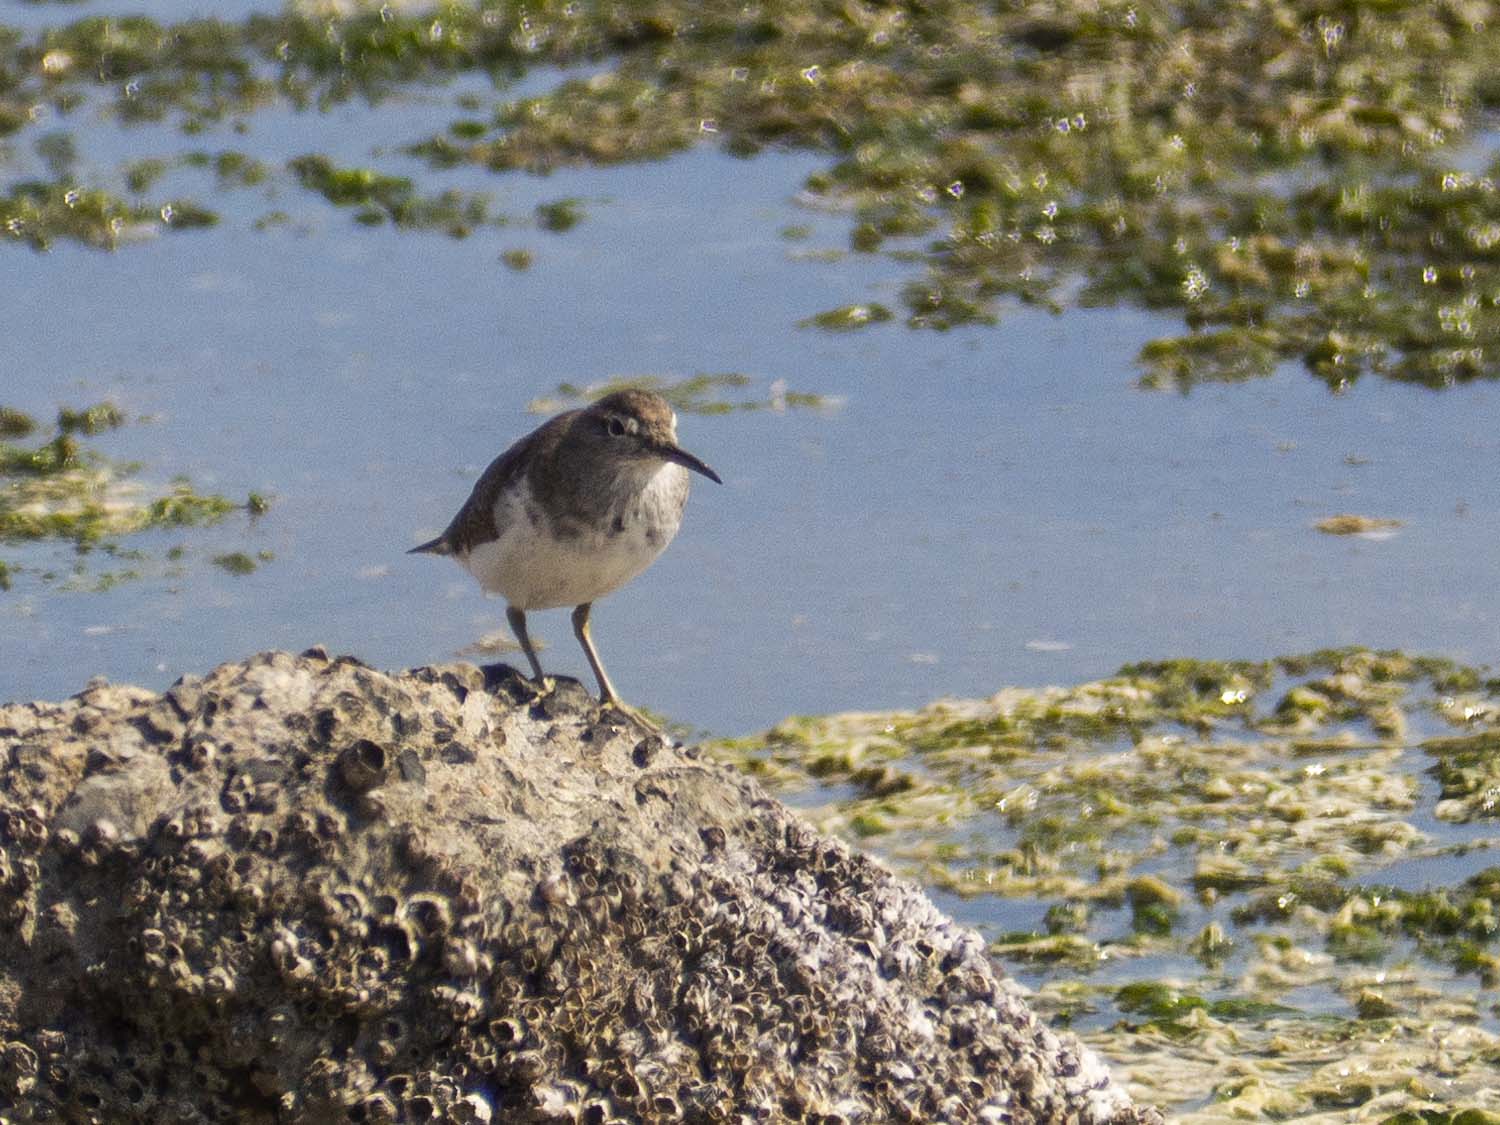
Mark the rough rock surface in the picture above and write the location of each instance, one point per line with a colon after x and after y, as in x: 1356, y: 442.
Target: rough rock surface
x: 301, y: 890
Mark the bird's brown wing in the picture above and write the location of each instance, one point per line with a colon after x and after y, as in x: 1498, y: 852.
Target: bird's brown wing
x: 475, y: 522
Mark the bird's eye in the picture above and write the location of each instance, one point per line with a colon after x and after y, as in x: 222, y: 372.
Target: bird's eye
x: 616, y: 427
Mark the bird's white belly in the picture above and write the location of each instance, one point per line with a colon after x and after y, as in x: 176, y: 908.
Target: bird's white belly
x: 533, y: 569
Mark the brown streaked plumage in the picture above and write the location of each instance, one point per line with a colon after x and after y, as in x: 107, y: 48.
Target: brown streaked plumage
x: 573, y: 511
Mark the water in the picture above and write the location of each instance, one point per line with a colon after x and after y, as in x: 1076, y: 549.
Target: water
x: 988, y: 506
x: 985, y: 507
x: 36, y: 15
x: 980, y: 508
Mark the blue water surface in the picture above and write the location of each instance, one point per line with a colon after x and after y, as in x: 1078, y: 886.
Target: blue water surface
x: 979, y: 507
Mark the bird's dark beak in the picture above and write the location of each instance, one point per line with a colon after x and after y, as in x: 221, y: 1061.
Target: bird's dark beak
x: 687, y: 461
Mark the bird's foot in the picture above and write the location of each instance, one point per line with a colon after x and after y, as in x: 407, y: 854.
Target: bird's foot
x: 562, y: 696
x: 635, y: 714
x: 541, y: 686
x: 516, y: 683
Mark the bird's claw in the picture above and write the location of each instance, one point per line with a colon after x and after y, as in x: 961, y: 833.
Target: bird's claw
x: 640, y: 718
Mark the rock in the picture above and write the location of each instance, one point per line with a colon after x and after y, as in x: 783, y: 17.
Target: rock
x: 301, y: 890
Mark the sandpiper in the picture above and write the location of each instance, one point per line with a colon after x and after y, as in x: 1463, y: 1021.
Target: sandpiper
x: 573, y: 511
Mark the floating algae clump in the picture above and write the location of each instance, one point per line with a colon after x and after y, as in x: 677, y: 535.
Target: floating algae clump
x: 1239, y: 870
x: 1358, y: 525
x: 1295, y: 182
x: 59, y: 489
x: 1286, y: 179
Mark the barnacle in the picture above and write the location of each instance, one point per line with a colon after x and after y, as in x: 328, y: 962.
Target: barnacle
x: 510, y: 930
x: 364, y: 764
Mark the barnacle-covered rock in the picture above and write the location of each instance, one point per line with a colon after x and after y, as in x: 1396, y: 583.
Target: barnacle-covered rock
x: 300, y: 890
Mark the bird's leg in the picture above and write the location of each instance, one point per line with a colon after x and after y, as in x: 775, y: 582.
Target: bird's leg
x: 517, y: 619
x: 581, y: 631
x: 607, y: 696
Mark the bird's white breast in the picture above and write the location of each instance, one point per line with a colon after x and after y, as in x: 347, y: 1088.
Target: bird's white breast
x: 532, y: 566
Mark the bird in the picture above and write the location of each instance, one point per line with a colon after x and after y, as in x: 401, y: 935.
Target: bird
x: 573, y: 511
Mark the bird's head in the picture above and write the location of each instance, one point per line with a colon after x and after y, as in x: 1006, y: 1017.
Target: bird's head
x: 641, y: 424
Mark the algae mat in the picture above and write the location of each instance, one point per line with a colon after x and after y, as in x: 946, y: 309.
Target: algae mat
x: 1297, y: 181
x: 1262, y: 890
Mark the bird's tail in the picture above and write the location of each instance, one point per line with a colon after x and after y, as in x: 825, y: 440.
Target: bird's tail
x: 438, y: 546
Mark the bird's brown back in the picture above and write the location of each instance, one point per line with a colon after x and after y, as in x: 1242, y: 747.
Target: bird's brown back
x: 475, y: 522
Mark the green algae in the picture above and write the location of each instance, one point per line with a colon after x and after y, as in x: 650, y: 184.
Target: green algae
x: 15, y: 423
x: 559, y: 215
x: 380, y: 198
x: 142, y: 175
x: 848, y: 318
x: 39, y: 212
x: 346, y: 186
x: 1156, y: 1000
x: 517, y: 259
x: 1468, y: 769
x: 1045, y: 160
x: 239, y: 564
x: 1232, y: 819
x: 239, y: 169
x: 90, y: 420
x: 60, y: 489
x: 1357, y: 525
x: 1087, y: 771
x: 231, y: 168
x: 1294, y: 182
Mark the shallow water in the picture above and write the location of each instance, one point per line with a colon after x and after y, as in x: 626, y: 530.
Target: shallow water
x: 987, y: 506
x: 973, y: 509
